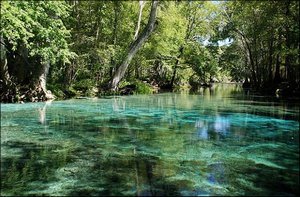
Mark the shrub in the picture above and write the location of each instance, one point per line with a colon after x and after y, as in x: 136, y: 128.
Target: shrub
x: 142, y: 88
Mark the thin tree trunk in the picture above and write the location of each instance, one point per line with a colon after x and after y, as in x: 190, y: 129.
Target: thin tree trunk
x: 270, y: 60
x: 134, y: 47
x: 255, y: 61
x: 250, y: 56
x: 189, y: 29
x: 98, y: 25
x: 277, y: 78
x: 114, y: 37
x: 175, y: 67
x: 142, y: 3
x: 289, y: 70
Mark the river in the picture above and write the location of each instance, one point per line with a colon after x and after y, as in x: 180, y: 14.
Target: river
x: 218, y: 141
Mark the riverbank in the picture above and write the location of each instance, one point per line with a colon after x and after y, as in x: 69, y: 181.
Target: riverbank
x: 145, y: 88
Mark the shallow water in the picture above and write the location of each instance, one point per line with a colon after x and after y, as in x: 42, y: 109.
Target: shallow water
x: 215, y: 142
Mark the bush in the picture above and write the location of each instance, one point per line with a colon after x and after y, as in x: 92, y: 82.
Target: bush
x: 142, y: 88
x: 83, y: 85
x: 70, y: 92
x: 139, y: 86
x: 56, y: 90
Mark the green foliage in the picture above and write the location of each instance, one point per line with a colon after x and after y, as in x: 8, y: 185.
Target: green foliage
x: 231, y: 61
x: 56, y: 89
x: 86, y: 41
x: 203, y: 60
x: 39, y: 26
x: 170, y: 33
x: 265, y: 41
x: 142, y: 88
x: 83, y: 85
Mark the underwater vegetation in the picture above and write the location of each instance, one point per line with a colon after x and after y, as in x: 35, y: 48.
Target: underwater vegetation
x: 218, y: 143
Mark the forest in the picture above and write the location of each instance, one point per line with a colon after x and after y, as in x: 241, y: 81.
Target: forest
x: 149, y: 98
x: 65, y: 49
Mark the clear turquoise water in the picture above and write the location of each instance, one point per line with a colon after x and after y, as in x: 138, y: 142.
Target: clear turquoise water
x: 218, y: 142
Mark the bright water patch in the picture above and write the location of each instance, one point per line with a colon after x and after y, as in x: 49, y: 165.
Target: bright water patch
x: 218, y: 142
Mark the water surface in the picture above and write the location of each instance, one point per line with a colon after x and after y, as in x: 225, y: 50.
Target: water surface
x: 215, y: 142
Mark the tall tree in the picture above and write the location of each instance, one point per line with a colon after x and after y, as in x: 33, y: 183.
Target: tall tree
x: 34, y: 37
x: 134, y: 47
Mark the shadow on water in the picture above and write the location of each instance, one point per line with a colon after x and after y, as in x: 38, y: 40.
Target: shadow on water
x: 36, y: 163
x: 139, y: 179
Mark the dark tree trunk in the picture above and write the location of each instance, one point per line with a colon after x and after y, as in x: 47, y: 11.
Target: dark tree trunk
x: 175, y: 67
x: 277, y: 78
x: 270, y: 60
x: 289, y: 70
x: 190, y: 25
x: 5, y: 77
x: 258, y: 74
x: 134, y: 47
x: 137, y: 71
x: 252, y: 64
x: 250, y: 57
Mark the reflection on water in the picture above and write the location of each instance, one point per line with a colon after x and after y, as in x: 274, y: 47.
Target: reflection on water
x: 218, y: 127
x: 213, y: 142
x: 42, y: 112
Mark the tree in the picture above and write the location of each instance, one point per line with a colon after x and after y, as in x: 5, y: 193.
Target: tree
x: 265, y: 32
x: 134, y: 47
x: 34, y: 37
x: 79, y: 48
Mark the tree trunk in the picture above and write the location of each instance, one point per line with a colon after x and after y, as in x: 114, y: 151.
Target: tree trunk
x: 43, y: 80
x: 270, y: 60
x: 250, y: 57
x: 8, y: 87
x: 175, y: 67
x: 5, y: 77
x: 98, y: 25
x: 142, y: 3
x: 134, y: 47
x: 114, y: 37
x: 289, y: 71
x: 288, y: 67
x: 255, y: 61
x: 277, y: 78
x: 191, y: 21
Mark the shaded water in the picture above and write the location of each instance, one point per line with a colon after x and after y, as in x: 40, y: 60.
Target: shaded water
x: 216, y: 142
